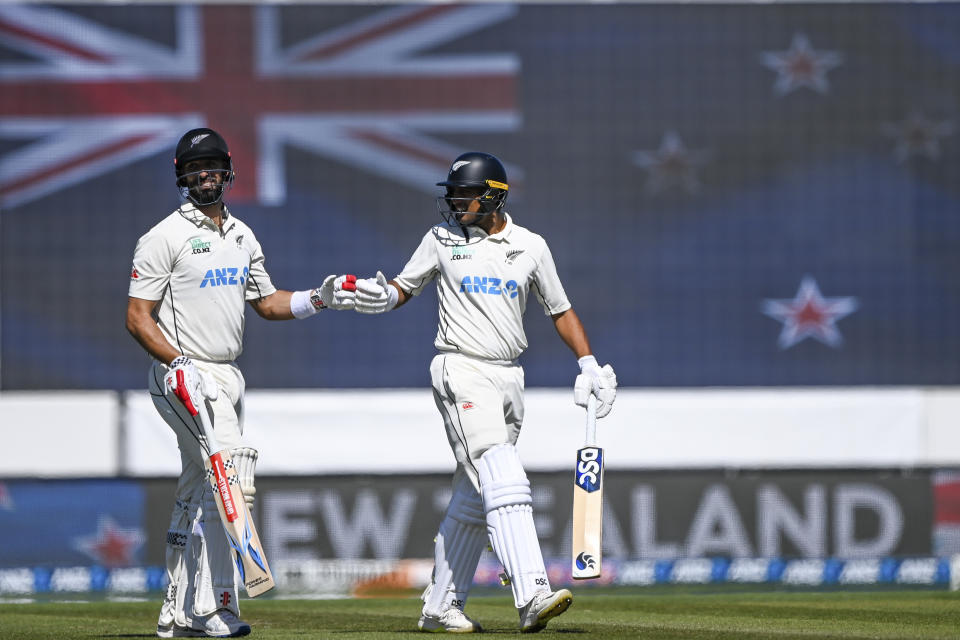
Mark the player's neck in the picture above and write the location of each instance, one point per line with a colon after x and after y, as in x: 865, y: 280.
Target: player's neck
x: 495, y: 222
x: 214, y: 212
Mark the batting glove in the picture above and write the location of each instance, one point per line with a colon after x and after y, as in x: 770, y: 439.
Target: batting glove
x: 375, y: 295
x: 336, y: 292
x: 596, y: 380
x: 189, y: 384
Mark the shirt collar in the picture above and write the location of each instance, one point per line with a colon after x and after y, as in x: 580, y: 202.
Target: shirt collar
x: 190, y: 212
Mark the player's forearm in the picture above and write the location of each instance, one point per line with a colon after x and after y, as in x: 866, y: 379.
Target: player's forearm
x: 275, y: 306
x: 145, y: 331
x: 572, y: 333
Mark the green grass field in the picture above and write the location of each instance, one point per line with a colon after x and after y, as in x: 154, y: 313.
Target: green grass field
x: 615, y: 613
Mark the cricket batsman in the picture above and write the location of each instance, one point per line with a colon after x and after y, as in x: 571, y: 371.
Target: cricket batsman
x: 486, y: 266
x: 192, y: 273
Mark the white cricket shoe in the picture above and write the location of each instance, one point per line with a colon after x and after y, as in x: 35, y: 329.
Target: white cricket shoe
x: 450, y: 621
x: 222, y: 623
x: 173, y: 630
x: 167, y: 608
x: 543, y: 606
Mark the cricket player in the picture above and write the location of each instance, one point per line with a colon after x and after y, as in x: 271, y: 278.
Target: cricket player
x: 486, y: 266
x: 191, y: 275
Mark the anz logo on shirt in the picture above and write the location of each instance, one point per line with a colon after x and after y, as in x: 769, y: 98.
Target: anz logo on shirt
x: 224, y: 277
x: 489, y: 286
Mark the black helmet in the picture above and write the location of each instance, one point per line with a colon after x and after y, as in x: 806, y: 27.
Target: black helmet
x: 197, y: 144
x: 478, y: 170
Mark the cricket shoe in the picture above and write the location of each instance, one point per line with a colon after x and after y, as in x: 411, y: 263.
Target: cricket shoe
x: 450, y: 621
x: 222, y: 623
x: 174, y: 630
x: 543, y: 606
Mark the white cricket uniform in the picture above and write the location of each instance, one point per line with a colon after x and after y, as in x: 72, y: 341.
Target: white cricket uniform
x: 483, y: 284
x: 202, y: 277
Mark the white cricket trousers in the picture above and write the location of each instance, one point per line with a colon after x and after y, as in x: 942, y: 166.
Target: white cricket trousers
x: 209, y: 582
x: 481, y: 404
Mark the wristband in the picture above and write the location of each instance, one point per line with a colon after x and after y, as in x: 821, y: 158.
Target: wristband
x: 392, y: 296
x: 587, y: 360
x: 304, y: 304
x: 179, y: 361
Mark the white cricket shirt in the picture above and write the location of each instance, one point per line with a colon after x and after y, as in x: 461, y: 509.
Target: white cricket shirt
x: 484, y: 281
x: 203, y: 278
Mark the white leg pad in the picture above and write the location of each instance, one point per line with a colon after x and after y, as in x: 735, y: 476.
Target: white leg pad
x: 245, y: 460
x: 194, y: 555
x: 177, y: 575
x: 460, y: 541
x: 216, y: 580
x: 508, y: 504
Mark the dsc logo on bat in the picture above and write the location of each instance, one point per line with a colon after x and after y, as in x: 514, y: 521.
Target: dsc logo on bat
x: 589, y: 464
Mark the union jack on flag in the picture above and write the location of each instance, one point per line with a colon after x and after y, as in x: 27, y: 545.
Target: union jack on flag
x: 80, y: 97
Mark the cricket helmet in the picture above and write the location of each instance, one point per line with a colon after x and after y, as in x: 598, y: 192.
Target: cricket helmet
x: 197, y: 144
x: 477, y: 171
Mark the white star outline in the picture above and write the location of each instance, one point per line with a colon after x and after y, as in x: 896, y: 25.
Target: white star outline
x: 918, y: 135
x: 671, y: 165
x: 809, y: 315
x: 801, y: 66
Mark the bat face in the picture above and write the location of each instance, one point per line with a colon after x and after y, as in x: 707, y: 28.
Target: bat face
x: 587, y: 513
x: 241, y: 532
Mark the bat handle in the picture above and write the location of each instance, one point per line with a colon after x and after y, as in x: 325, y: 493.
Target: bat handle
x: 591, y: 420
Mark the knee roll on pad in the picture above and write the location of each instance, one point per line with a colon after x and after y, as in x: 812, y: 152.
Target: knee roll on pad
x: 245, y: 462
x: 503, y: 482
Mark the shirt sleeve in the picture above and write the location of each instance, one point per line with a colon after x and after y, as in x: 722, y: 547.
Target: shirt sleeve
x: 547, y: 285
x: 422, y: 267
x: 152, y: 266
x: 259, y: 284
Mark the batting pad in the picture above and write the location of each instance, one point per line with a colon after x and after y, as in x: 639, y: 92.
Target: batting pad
x: 245, y: 461
x: 460, y: 541
x: 508, y: 503
x: 503, y: 482
x: 215, y: 583
x: 177, y: 536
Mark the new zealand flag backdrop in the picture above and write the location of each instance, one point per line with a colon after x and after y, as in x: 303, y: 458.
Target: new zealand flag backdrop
x: 734, y: 195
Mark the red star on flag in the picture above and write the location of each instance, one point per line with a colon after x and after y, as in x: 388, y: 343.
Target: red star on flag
x: 918, y: 135
x: 672, y: 165
x: 809, y: 315
x: 111, y: 545
x: 801, y: 66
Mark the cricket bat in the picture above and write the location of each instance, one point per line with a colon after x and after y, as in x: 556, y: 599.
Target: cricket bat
x: 241, y: 532
x: 588, y: 502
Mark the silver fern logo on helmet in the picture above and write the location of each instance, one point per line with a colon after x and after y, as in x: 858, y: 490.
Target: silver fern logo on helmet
x: 194, y: 141
x: 458, y: 164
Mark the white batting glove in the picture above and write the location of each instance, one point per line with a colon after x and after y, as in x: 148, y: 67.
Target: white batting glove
x: 336, y: 292
x: 375, y: 295
x: 189, y: 384
x: 596, y: 380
